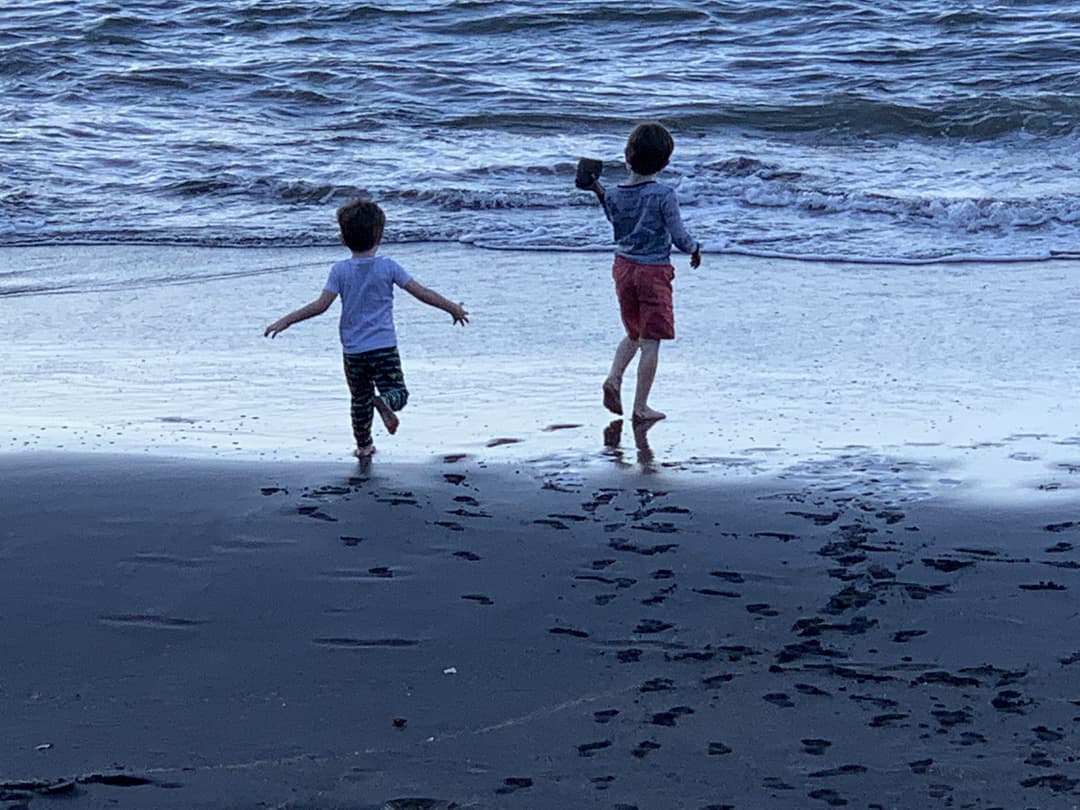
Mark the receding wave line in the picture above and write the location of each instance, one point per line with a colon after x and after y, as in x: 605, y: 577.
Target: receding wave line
x: 69, y: 288
x: 96, y: 286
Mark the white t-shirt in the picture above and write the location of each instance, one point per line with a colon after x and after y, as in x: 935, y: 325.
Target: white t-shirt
x: 366, y: 287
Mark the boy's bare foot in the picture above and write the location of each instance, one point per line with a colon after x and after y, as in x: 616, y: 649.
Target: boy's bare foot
x: 367, y: 451
x: 612, y: 397
x: 389, y: 418
x: 648, y: 415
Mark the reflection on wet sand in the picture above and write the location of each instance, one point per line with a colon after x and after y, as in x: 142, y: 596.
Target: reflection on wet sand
x: 640, y: 429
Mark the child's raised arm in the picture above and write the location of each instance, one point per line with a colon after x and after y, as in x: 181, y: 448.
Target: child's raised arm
x: 433, y: 299
x: 316, y: 307
x: 598, y: 190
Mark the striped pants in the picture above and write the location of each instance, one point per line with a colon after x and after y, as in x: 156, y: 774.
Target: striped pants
x: 365, y: 372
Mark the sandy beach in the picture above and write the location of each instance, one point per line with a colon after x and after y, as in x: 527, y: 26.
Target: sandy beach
x: 455, y: 634
x: 841, y: 573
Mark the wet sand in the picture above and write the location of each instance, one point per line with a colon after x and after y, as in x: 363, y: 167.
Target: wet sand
x: 471, y: 632
x: 967, y: 368
x: 841, y: 573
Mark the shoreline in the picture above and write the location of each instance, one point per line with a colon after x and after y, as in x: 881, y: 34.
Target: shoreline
x: 474, y: 634
x: 952, y: 375
x: 331, y: 244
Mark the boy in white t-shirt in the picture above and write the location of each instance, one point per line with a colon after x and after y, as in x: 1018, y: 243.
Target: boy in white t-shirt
x: 366, y: 283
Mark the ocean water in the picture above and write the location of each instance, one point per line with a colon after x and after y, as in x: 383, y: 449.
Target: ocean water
x: 905, y: 131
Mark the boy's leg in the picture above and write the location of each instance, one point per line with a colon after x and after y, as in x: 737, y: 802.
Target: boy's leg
x: 646, y: 373
x: 657, y: 323
x: 625, y: 275
x: 388, y: 378
x: 362, y: 392
x: 624, y: 353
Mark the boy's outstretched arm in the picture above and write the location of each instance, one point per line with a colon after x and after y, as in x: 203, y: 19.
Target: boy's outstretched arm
x: 316, y: 307
x: 433, y: 299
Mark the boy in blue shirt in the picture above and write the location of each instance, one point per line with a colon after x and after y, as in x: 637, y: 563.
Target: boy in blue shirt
x: 366, y: 284
x: 646, y: 220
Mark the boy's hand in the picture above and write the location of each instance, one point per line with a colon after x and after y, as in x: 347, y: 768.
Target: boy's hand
x: 276, y: 327
x: 458, y: 313
x: 695, y: 258
x: 588, y: 173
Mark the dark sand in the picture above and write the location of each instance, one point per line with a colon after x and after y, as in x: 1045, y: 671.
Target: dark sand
x: 179, y: 634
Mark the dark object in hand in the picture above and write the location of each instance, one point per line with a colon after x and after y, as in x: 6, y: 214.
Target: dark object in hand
x: 588, y: 172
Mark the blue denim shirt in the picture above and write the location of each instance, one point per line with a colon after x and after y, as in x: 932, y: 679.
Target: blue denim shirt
x: 646, y: 220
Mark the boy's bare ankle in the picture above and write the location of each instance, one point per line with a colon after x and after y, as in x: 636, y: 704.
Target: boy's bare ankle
x: 644, y: 413
x: 389, y: 418
x: 612, y: 396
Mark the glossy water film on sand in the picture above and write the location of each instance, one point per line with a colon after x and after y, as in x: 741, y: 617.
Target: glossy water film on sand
x: 918, y: 378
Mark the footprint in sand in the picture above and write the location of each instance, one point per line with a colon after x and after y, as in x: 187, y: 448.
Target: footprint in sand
x: 733, y: 577
x: 815, y: 747
x: 644, y: 748
x: 568, y: 631
x: 779, y: 699
x: 449, y: 524
x: 762, y: 609
x: 466, y: 513
x: 716, y: 681
x: 313, y: 512
x: 514, y: 783
x: 1043, y: 586
x: 830, y: 797
x: 649, y: 626
x: 502, y: 441
x: 657, y: 685
x: 589, y: 749
x: 669, y: 717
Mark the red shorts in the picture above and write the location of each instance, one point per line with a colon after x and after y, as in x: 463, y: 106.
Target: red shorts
x: 644, y: 292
